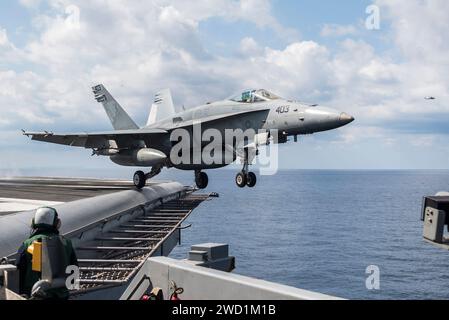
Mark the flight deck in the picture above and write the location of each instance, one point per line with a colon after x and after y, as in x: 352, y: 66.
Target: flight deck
x: 122, y: 237
x: 27, y: 193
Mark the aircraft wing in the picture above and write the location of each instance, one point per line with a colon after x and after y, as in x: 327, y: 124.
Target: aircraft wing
x: 150, y: 136
x: 123, y: 138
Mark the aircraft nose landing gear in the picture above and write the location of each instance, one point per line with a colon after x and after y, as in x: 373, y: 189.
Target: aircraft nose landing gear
x: 240, y: 179
x: 245, y: 177
x: 251, y: 179
x: 201, y: 179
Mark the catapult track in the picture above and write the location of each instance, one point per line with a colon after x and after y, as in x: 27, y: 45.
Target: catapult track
x: 120, y: 252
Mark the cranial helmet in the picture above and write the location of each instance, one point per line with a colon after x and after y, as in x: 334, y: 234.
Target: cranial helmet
x: 45, y: 217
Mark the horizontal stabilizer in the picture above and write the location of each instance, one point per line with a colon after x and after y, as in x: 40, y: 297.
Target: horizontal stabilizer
x: 119, y: 118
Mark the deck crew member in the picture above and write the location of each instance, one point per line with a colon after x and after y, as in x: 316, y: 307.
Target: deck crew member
x: 45, y: 225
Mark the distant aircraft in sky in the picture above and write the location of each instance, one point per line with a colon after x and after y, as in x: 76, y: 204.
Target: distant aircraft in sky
x: 260, y: 112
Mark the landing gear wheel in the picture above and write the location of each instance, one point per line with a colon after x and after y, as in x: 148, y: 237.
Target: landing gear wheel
x: 240, y: 179
x: 201, y: 180
x: 251, y: 179
x: 139, y: 179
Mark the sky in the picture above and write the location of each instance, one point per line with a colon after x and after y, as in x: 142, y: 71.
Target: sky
x: 53, y: 51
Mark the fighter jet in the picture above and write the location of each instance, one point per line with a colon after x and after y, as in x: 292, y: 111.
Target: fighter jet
x: 259, y: 111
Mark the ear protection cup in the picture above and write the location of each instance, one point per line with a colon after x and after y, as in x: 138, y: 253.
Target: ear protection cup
x: 58, y: 223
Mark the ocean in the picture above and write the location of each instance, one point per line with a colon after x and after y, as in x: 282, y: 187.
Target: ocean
x: 320, y: 230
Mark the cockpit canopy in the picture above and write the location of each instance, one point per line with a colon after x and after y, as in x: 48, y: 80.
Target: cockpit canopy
x: 252, y: 96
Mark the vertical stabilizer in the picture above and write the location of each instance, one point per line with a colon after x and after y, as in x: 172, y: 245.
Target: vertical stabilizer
x: 119, y: 118
x: 162, y: 106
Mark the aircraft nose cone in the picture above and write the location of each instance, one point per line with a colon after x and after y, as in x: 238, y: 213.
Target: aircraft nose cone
x: 346, y: 118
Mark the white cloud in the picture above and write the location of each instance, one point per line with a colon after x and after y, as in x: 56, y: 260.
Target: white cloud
x: 8, y: 52
x: 378, y: 70
x: 136, y: 49
x: 258, y: 12
x: 419, y: 33
x: 30, y: 3
x: 3, y: 37
x: 420, y: 28
x: 423, y: 140
x: 336, y: 30
x: 354, y: 134
x: 249, y: 47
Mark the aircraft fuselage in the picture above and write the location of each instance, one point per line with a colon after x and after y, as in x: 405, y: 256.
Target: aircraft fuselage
x: 291, y: 117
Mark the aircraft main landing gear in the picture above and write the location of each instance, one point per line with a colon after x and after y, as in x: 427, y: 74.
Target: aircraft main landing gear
x: 245, y: 177
x: 201, y: 179
x: 140, y: 178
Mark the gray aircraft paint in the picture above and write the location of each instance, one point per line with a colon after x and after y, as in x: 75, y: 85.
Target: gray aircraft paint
x: 256, y: 109
x: 300, y: 119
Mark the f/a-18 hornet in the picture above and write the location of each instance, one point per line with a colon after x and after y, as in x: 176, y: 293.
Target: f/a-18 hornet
x: 258, y: 111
